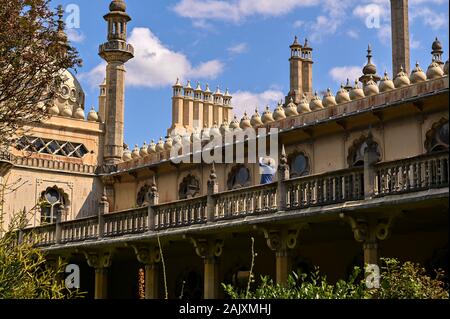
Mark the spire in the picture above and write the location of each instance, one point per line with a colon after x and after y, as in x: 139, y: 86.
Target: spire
x: 437, y: 51
x: 62, y: 37
x: 369, y: 70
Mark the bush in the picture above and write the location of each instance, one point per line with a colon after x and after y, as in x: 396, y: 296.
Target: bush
x: 397, y: 281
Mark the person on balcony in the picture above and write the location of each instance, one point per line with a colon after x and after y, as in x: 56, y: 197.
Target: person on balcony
x: 267, y: 169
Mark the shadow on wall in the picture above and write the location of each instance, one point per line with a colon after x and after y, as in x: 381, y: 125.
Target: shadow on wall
x: 90, y: 205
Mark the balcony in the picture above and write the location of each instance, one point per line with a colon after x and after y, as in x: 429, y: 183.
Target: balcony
x: 393, y: 179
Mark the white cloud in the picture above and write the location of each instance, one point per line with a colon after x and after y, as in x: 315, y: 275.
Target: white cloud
x: 238, y: 48
x: 75, y: 36
x: 155, y: 65
x: 434, y: 20
x: 353, y: 34
x: 95, y: 76
x: 342, y: 73
x: 237, y: 10
x: 298, y: 24
x: 245, y: 101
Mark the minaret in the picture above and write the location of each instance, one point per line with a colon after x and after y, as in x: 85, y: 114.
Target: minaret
x: 102, y: 101
x: 400, y: 36
x: 307, y: 66
x: 295, y: 63
x: 116, y: 52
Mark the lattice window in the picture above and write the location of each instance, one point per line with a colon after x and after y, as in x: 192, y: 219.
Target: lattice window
x: 53, y: 147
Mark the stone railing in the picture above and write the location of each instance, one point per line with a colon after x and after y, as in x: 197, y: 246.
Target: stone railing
x: 55, y: 165
x: 389, y: 178
x: 325, y: 189
x: 180, y: 213
x: 413, y: 174
x: 246, y: 201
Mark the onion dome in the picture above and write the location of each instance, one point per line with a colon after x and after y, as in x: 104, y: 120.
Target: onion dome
x: 316, y: 102
x: 92, y: 115
x: 434, y: 71
x: 143, y: 152
x: 291, y: 108
x: 177, y: 140
x: 227, y: 93
x: 234, y: 125
x: 207, y: 90
x: 198, y: 88
x: 386, y: 84
x: 417, y: 75
x: 401, y: 79
x: 437, y: 45
x: 188, y: 85
x: 342, y: 95
x: 126, y: 155
x: 348, y: 86
x: 214, y: 130
x: 160, y: 145
x: 256, y: 119
x: 79, y: 113
x: 117, y: 5
x: 218, y: 92
x: 279, y: 113
x: 135, y: 153
x: 356, y: 93
x: 267, y: 116
x: 371, y: 88
x: 329, y: 99
x: 54, y: 110
x: 168, y: 144
x: 369, y: 68
x: 152, y: 147
x: 303, y: 106
x: 224, y: 127
x: 67, y: 111
x: 446, y: 68
x: 245, y: 122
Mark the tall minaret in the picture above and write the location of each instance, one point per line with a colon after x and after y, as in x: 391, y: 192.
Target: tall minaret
x: 296, y: 71
x: 115, y: 52
x: 400, y: 36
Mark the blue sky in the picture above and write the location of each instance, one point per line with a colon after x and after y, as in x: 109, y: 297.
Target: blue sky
x: 242, y: 45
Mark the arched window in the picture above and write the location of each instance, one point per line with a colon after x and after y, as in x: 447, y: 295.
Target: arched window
x: 189, y: 187
x: 142, y: 195
x: 238, y: 177
x: 51, y: 200
x: 437, y: 137
x: 299, y: 165
x: 356, y: 152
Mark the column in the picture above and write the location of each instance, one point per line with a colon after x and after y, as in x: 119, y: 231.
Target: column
x: 370, y: 159
x: 283, y: 175
x: 100, y: 261
x: 209, y: 250
x: 150, y: 257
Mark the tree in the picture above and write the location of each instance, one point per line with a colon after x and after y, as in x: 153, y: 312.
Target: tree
x: 25, y: 271
x: 33, y: 51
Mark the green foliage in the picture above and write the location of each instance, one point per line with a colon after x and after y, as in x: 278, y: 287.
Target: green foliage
x: 25, y: 273
x: 397, y: 281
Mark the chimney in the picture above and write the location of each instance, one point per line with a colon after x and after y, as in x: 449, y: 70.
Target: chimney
x: 400, y: 36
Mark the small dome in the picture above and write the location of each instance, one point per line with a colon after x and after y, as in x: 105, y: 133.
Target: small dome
x: 188, y: 85
x: 356, y: 93
x: 369, y: 68
x: 316, y: 102
x: 178, y: 84
x: 79, y: 114
x: 446, y: 68
x: 437, y: 45
x: 218, y: 92
x: 93, y: 115
x: 143, y: 152
x: 303, y: 106
x: 54, y: 110
x: 256, y: 119
x: 160, y: 145
x: 267, y: 116
x: 434, y: 71
x: 291, y: 108
x: 371, y: 88
x: 168, y: 144
x: 177, y: 140
x: 215, y: 131
x: 117, y: 5
x: 67, y: 111
x: 329, y: 99
x: 225, y: 127
x: 198, y: 87
x: 342, y: 95
x: 401, y: 79
x: 234, y: 125
x: 227, y: 93
x: 151, y: 147
x: 135, y: 153
x: 279, y: 113
x: 417, y: 75
x: 386, y: 84
x: 207, y: 90
x: 245, y: 122
x: 127, y: 155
